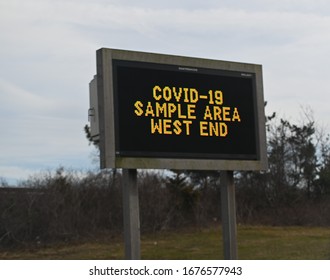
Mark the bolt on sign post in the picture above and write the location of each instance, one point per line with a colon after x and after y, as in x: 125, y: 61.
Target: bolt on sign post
x: 160, y: 111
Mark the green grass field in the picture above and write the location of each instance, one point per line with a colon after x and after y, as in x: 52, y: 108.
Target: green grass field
x: 254, y: 243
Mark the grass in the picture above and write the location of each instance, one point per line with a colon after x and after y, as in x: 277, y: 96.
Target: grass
x: 290, y: 243
x: 254, y: 242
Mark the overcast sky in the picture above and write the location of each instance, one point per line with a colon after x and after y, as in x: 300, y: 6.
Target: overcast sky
x: 47, y: 59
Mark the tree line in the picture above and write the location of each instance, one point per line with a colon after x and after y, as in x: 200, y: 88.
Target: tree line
x: 66, y: 205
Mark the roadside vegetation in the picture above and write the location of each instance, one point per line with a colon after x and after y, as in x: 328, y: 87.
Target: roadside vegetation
x: 254, y: 243
x: 67, y: 207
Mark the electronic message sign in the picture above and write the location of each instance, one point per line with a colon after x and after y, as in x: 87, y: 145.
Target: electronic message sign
x: 161, y: 111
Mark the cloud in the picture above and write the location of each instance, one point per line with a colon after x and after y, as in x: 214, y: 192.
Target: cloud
x: 70, y: 26
x: 20, y: 101
x: 48, y: 58
x: 11, y: 173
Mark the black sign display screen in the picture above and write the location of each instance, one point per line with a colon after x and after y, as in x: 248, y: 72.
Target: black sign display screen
x: 173, y: 111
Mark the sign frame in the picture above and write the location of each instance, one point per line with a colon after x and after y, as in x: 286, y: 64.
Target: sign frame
x: 107, y: 113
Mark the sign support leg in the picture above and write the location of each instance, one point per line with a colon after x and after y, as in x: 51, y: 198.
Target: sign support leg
x: 131, y: 215
x: 228, y: 212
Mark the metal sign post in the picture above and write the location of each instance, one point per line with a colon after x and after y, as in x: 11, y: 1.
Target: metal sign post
x: 158, y: 111
x: 131, y: 215
x: 228, y: 212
